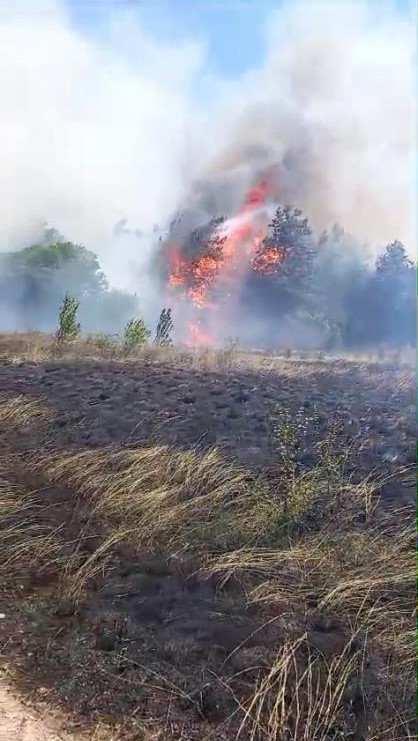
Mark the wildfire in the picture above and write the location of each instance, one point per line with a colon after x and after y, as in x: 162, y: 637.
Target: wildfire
x: 198, y: 336
x: 257, y: 195
x: 265, y: 262
x: 236, y: 246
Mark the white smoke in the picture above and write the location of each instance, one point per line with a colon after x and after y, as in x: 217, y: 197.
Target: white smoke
x: 90, y: 131
x: 334, y: 103
x: 98, y: 128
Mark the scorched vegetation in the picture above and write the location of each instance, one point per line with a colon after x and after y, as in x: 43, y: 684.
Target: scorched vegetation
x: 201, y: 544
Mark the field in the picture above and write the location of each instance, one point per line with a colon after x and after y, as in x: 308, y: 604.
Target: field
x: 208, y: 545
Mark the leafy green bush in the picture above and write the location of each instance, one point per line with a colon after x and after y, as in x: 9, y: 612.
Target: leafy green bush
x: 135, y: 334
x: 69, y: 328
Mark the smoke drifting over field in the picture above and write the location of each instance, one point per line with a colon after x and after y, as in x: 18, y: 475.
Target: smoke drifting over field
x: 101, y: 127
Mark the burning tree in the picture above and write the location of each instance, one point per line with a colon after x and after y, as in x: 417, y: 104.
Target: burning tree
x: 210, y: 265
x: 282, y: 266
x: 263, y: 267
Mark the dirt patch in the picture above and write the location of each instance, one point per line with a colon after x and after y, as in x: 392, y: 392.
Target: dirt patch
x: 18, y: 722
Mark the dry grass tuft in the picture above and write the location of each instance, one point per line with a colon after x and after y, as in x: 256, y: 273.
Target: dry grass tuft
x: 179, y: 498
x: 354, y: 647
x: 21, y: 411
x: 37, y: 347
x: 28, y: 544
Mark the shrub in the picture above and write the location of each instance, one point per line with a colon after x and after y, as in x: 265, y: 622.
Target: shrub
x: 69, y: 328
x: 135, y: 334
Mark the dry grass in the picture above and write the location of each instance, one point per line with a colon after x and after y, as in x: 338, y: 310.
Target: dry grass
x: 327, y: 574
x: 21, y: 411
x: 37, y: 346
x: 354, y: 590
x: 34, y: 544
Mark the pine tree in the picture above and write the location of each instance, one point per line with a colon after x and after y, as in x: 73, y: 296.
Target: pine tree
x: 288, y: 286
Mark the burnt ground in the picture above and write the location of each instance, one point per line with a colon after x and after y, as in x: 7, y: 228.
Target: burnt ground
x: 153, y: 645
x: 129, y: 403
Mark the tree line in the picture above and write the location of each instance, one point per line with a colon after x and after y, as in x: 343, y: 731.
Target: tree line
x: 331, y: 280
x: 327, y: 280
x: 329, y: 283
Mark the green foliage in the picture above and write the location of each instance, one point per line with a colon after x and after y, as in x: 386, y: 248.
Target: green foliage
x: 323, y: 291
x: 43, y: 261
x: 287, y: 286
x: 34, y: 279
x: 394, y: 260
x: 290, y: 437
x: 394, y: 295
x: 165, y: 327
x: 312, y: 458
x: 69, y: 328
x: 135, y: 334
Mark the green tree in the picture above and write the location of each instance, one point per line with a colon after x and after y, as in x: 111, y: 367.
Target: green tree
x: 58, y: 260
x: 287, y: 288
x: 34, y: 279
x: 341, y: 277
x: 69, y: 328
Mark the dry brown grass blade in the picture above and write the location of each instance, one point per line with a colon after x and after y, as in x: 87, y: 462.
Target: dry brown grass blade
x: 22, y: 410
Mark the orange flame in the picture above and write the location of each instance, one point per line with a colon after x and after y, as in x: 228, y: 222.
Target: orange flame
x: 238, y: 245
x: 197, y: 336
x: 257, y: 195
x: 265, y: 262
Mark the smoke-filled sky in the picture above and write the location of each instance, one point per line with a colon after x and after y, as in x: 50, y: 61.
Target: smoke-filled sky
x: 114, y: 110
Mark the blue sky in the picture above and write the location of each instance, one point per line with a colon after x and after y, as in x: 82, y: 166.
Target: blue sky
x: 232, y: 29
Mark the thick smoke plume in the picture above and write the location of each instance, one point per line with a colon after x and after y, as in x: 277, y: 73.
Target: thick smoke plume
x: 101, y: 127
x: 334, y: 104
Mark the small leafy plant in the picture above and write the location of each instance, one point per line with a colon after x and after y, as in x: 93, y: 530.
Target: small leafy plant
x: 69, y: 328
x: 290, y: 436
x: 135, y: 334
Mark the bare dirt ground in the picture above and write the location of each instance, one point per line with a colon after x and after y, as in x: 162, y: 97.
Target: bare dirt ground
x: 20, y: 723
x: 157, y: 588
